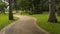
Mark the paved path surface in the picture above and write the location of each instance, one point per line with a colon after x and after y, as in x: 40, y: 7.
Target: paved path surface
x: 25, y: 25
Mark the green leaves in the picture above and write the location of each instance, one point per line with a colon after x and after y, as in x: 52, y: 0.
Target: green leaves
x: 2, y: 6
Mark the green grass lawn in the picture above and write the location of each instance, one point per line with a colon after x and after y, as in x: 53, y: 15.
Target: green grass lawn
x: 4, y: 21
x: 42, y: 21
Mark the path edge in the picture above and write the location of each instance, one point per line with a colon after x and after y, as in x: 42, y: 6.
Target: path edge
x: 8, y: 26
x: 40, y: 27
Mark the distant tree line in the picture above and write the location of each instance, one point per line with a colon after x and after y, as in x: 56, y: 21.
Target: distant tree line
x: 35, y: 6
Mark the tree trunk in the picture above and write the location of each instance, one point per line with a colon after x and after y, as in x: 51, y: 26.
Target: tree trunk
x: 10, y: 10
x: 52, y: 8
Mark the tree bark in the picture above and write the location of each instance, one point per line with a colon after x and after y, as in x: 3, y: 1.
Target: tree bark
x: 10, y: 10
x: 52, y: 8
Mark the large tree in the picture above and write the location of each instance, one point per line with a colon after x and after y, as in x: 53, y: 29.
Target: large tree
x: 52, y: 16
x: 10, y: 10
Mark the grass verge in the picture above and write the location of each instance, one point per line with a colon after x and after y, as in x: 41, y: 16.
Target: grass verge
x: 4, y: 21
x: 42, y: 21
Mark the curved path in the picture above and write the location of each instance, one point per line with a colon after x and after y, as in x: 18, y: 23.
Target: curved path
x: 25, y: 25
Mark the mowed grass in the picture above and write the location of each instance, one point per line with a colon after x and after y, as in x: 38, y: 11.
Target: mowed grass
x: 42, y: 21
x: 4, y: 21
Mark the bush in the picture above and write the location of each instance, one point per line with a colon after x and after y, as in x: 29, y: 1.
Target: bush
x: 2, y: 7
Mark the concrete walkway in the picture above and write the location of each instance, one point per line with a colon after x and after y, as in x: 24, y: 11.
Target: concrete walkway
x: 25, y: 25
